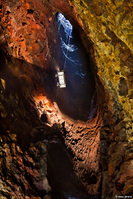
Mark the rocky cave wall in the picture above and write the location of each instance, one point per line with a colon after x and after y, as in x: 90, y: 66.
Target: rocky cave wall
x: 27, y: 39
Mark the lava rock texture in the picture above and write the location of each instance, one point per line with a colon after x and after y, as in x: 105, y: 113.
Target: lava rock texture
x: 100, y: 149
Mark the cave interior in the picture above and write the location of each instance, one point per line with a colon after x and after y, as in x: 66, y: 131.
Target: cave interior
x: 65, y: 124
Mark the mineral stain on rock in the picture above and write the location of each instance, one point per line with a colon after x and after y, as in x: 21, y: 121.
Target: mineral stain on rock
x: 123, y: 88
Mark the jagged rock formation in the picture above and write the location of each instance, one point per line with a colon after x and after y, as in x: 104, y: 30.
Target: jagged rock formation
x: 100, y: 149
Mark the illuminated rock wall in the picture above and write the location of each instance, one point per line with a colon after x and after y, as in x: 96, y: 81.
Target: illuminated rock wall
x: 28, y: 37
x: 108, y: 25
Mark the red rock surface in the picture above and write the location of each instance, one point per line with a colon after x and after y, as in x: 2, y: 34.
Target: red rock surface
x: 28, y: 35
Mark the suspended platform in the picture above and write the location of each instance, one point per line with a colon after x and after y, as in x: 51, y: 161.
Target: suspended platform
x: 61, y: 79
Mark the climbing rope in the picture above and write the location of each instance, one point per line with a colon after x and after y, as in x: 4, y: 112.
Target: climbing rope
x: 67, y: 28
x: 68, y: 43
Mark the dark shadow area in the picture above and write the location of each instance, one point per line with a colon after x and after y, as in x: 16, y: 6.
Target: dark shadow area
x: 62, y: 178
x: 17, y: 72
x: 78, y: 99
x: 21, y: 80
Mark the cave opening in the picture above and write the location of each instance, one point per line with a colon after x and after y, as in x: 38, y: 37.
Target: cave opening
x: 41, y: 147
x: 77, y: 99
